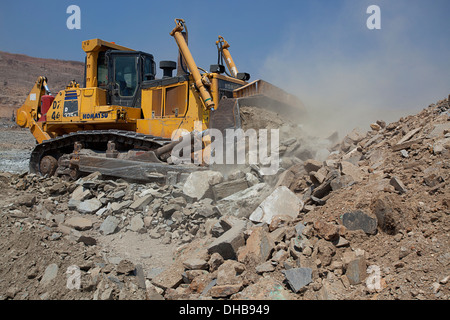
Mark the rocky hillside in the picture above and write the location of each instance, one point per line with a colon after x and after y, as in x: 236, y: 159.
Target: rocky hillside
x: 19, y: 73
x: 368, y: 220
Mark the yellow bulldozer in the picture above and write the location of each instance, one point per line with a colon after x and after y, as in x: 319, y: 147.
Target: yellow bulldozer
x: 122, y: 121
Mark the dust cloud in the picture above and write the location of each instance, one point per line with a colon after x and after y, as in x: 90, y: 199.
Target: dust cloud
x: 348, y: 76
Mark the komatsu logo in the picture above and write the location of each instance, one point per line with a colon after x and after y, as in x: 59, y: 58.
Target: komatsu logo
x: 98, y: 115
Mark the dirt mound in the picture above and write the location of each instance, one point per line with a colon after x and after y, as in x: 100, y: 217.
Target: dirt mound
x: 363, y: 218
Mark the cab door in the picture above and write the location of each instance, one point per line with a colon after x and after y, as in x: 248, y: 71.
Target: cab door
x: 123, y: 78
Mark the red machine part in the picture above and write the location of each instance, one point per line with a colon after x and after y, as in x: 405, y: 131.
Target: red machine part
x: 46, y: 102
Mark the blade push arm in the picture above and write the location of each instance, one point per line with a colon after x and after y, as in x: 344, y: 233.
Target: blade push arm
x: 222, y: 45
x: 181, y: 42
x: 27, y: 114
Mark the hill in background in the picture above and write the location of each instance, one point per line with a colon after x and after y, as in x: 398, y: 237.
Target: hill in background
x: 19, y: 73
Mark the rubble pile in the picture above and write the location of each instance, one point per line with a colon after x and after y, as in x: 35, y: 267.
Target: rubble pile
x: 367, y: 218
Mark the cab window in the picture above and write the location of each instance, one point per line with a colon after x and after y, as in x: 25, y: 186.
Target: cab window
x: 125, y: 75
x: 102, y: 70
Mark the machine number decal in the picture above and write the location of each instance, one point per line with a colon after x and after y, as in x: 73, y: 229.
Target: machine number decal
x: 56, y: 115
x: 70, y: 108
x: 56, y: 104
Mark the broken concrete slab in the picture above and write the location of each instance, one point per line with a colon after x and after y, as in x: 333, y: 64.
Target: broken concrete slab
x: 349, y: 169
x: 79, y: 223
x: 341, y: 182
x: 409, y: 135
x: 89, y: 206
x: 280, y: 201
x: 227, y: 188
x: 312, y: 165
x: 141, y: 202
x: 406, y: 145
x: 81, y: 193
x: 170, y: 277
x: 243, y: 203
x: 228, y: 243
x: 195, y: 264
x: 197, y: 184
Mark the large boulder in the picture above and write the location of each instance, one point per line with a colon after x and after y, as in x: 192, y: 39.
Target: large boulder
x: 281, y: 201
x: 198, y: 184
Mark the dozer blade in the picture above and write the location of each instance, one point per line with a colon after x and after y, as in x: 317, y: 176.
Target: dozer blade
x: 257, y: 94
x: 262, y: 94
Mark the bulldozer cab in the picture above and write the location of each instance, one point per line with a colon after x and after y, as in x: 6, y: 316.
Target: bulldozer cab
x: 121, y: 73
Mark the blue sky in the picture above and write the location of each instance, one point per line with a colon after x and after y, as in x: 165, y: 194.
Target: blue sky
x: 320, y: 50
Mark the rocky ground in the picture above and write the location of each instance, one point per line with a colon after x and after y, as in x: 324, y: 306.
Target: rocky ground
x: 365, y: 218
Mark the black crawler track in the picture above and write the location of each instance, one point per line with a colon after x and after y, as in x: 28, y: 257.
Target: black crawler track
x: 64, y: 144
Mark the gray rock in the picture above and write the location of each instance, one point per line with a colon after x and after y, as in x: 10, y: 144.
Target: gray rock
x: 140, y: 276
x: 153, y: 272
x: 398, y: 185
x: 81, y: 193
x: 73, y: 204
x: 107, y: 294
x: 358, y: 220
x: 356, y: 270
x: 251, y: 179
x: 136, y: 223
x: 118, y: 195
x: 109, y: 226
x: 89, y: 206
x: 117, y: 207
x: 50, y: 273
x: 298, y: 277
x: 89, y: 241
x: 404, y: 153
